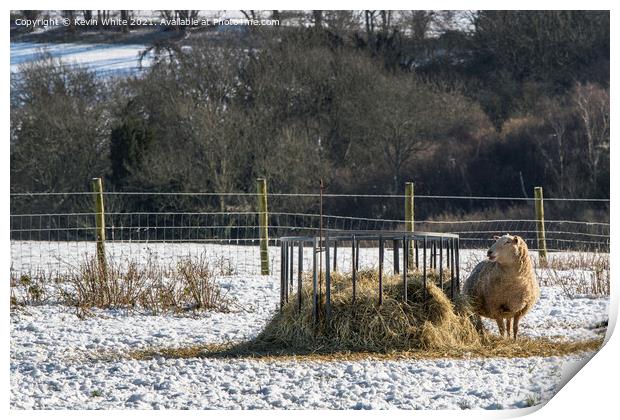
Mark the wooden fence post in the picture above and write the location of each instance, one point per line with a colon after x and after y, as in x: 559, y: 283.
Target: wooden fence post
x: 540, y: 225
x: 99, y: 223
x: 263, y: 220
x: 409, y: 217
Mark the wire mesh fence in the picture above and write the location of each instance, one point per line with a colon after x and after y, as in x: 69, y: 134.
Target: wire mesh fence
x: 54, y: 232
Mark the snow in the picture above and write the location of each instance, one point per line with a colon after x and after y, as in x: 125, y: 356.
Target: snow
x: 59, y: 360
x: 60, y: 256
x: 212, y: 384
x: 104, y: 59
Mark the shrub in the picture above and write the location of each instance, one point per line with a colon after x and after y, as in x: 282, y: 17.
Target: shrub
x: 188, y: 285
x: 28, y: 289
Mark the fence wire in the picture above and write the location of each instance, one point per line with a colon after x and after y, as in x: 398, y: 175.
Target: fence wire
x: 58, y: 241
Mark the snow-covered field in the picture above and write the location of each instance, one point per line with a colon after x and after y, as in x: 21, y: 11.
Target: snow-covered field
x: 104, y: 59
x: 61, y: 361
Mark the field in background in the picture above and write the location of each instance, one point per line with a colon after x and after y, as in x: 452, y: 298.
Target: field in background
x: 104, y: 59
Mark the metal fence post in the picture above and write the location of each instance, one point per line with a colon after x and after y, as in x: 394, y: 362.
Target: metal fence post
x: 282, y: 275
x: 353, y: 267
x: 405, y: 265
x: 315, y: 282
x: 409, y: 217
x: 328, y: 293
x: 424, y: 267
x: 540, y: 225
x: 300, y: 267
x: 381, y: 252
x: 100, y: 223
x: 395, y: 249
x: 263, y: 220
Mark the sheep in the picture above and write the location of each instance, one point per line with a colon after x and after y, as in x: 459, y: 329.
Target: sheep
x: 504, y: 287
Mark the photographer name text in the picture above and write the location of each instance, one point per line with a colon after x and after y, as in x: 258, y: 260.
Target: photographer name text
x: 179, y: 22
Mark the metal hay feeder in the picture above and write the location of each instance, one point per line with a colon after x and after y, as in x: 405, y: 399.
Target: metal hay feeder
x: 421, y: 251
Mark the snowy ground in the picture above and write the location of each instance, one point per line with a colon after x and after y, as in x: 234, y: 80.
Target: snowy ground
x: 61, y: 361
x: 104, y: 59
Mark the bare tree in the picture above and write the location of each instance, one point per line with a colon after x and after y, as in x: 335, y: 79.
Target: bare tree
x: 553, y: 146
x: 386, y: 21
x: 369, y: 19
x: 317, y: 18
x: 592, y: 104
x: 419, y: 22
x: 125, y: 18
x: 58, y: 116
x: 70, y: 14
x: 342, y: 21
x: 249, y: 14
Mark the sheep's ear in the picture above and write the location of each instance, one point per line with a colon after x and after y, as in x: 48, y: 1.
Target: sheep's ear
x: 515, y: 239
x: 495, y: 237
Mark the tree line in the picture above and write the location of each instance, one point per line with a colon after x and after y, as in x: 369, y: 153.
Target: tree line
x: 488, y: 103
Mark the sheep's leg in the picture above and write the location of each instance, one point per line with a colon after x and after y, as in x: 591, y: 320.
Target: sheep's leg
x: 477, y: 321
x: 500, y: 325
x: 508, y: 326
x: 515, y: 326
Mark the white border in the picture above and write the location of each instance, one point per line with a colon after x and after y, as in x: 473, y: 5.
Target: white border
x: 591, y: 394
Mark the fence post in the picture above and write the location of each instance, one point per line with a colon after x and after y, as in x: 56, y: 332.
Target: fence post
x: 99, y: 223
x: 409, y: 217
x: 261, y: 187
x: 540, y: 225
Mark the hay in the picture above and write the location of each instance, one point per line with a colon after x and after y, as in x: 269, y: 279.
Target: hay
x: 395, y: 330
x: 494, y: 347
x: 395, y: 325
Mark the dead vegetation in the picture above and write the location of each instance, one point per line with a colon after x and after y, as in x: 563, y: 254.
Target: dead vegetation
x: 366, y: 330
x: 28, y: 289
x: 494, y: 347
x: 579, y: 261
x: 187, y: 285
x: 585, y: 273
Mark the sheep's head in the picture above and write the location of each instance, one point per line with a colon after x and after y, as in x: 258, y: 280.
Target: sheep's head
x: 505, y: 249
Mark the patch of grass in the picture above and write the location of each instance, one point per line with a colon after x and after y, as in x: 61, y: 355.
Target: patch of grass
x: 225, y: 267
x: 532, y: 400
x: 578, y: 261
x: 578, y: 274
x: 96, y: 393
x: 464, y: 405
x: 495, y: 347
x: 28, y: 289
x: 189, y: 285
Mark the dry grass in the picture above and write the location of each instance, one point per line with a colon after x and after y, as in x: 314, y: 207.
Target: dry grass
x: 28, y: 290
x: 188, y: 285
x: 578, y: 274
x: 579, y: 261
x: 367, y: 330
x: 225, y: 267
x: 494, y: 347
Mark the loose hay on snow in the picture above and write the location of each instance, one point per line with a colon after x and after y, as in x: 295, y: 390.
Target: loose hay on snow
x: 365, y: 330
x: 434, y: 324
